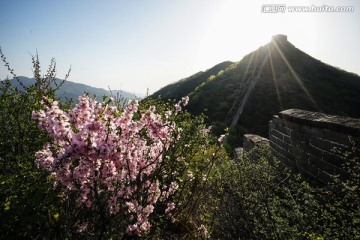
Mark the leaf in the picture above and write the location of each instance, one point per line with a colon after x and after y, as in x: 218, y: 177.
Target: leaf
x: 56, y: 216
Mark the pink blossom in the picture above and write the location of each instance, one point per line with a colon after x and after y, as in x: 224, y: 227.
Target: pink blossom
x: 170, y: 207
x: 81, y: 227
x: 190, y: 176
x: 177, y: 108
x: 185, y: 100
x: 221, y: 138
x: 96, y: 147
x: 203, y: 231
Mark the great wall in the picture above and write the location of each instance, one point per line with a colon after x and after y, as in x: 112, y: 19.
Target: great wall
x: 315, y: 144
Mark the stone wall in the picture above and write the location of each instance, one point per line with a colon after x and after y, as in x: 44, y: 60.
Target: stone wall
x: 314, y: 143
x: 251, y: 141
x: 252, y: 144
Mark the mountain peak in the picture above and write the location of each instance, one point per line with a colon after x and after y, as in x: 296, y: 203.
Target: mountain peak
x: 275, y: 77
x: 279, y: 38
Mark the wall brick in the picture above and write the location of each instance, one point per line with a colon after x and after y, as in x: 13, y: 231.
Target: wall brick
x: 284, y: 130
x: 319, y: 163
x: 310, y: 150
x: 284, y: 159
x: 292, y: 125
x: 329, y: 146
x: 333, y: 159
x: 306, y: 141
x: 272, y: 125
x: 341, y: 138
x: 277, y: 134
x: 311, y: 170
x: 278, y: 121
x: 299, y: 137
x: 300, y: 162
x: 297, y: 151
x: 325, y: 177
x: 273, y: 139
x: 283, y: 144
x: 312, y: 131
x: 287, y: 139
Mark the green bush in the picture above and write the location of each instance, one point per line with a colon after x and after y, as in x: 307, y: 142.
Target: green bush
x: 29, y: 203
x: 264, y: 199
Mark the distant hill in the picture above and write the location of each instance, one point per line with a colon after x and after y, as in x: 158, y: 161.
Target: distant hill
x: 275, y: 77
x: 72, y: 90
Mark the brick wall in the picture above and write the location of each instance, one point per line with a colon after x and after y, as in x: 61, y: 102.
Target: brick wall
x: 314, y: 143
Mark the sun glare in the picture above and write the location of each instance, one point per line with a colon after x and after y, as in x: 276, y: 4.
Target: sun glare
x: 238, y: 29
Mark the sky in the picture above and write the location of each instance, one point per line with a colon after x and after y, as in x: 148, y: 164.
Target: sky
x: 135, y: 45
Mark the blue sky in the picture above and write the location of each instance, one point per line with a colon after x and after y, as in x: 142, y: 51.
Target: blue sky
x: 137, y: 45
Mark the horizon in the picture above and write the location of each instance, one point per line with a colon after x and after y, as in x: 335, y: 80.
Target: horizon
x: 135, y: 47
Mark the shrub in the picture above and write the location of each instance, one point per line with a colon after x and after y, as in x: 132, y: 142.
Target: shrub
x: 264, y: 199
x: 28, y: 201
x: 124, y: 168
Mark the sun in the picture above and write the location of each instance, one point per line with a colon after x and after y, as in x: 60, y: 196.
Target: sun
x: 239, y: 28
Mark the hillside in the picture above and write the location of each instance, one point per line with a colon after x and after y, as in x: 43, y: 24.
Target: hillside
x: 72, y: 90
x: 185, y: 86
x: 275, y: 77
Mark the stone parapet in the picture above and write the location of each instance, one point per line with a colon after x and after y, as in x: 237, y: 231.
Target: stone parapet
x: 316, y: 144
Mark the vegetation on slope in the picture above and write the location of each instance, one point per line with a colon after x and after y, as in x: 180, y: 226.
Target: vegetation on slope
x: 289, y: 79
x: 185, y: 86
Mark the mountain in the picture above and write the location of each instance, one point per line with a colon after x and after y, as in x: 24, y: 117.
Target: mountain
x: 72, y: 90
x: 275, y: 77
x: 185, y: 86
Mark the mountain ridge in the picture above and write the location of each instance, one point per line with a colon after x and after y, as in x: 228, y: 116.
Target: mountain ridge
x: 290, y: 78
x: 191, y: 82
x: 72, y: 90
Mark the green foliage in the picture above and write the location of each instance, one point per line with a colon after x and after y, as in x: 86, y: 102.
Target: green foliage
x: 185, y: 86
x: 263, y: 199
x: 28, y: 201
x: 203, y: 156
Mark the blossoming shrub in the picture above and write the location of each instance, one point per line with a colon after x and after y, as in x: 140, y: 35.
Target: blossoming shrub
x: 124, y: 165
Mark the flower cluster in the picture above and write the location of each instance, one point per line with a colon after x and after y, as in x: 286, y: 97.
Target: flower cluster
x: 184, y: 101
x: 98, y: 150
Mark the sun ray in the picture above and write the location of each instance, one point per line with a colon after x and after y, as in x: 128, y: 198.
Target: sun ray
x: 241, y: 85
x: 276, y: 83
x: 296, y: 76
